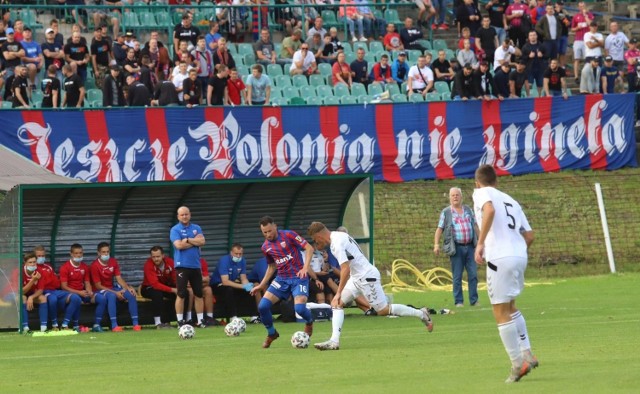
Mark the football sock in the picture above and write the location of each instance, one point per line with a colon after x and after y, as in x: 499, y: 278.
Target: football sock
x: 180, y: 316
x: 112, y: 307
x: 200, y: 317
x: 403, y: 310
x: 264, y: 308
x: 521, y: 326
x: 336, y: 324
x: 511, y: 341
x: 43, y: 328
x: 52, y: 303
x: 210, y: 314
x: 188, y: 315
x: 304, y: 312
x: 101, y: 304
x: 157, y: 320
x: 133, y: 307
x: 43, y: 312
x: 72, y: 307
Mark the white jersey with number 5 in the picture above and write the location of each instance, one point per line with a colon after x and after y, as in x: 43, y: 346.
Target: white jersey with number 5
x: 504, y: 238
x: 346, y: 250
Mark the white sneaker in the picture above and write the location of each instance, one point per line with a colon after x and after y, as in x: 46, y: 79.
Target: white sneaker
x: 354, y: 39
x: 363, y: 39
x: 426, y: 319
x: 327, y: 345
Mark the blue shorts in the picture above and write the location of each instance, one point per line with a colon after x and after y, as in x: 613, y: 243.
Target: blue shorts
x: 283, y: 288
x: 563, y: 44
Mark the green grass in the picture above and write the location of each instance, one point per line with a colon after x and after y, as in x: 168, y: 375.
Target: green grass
x: 583, y: 330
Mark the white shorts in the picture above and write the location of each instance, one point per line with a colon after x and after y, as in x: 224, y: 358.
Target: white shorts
x: 370, y: 288
x: 423, y: 4
x: 579, y: 50
x: 505, y: 279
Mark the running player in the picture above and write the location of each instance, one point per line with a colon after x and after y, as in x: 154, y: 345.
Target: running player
x: 357, y: 277
x: 505, y: 236
x: 282, y: 249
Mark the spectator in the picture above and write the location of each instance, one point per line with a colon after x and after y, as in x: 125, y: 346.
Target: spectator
x: 284, y: 17
x: 316, y: 46
x: 12, y: 53
x: 203, y: 60
x: 260, y: 18
x: 120, y: 50
x: 100, y: 56
x: 614, y: 45
x: 74, y: 86
x: 75, y: 28
x: 265, y: 50
x: 496, y: 9
x: 425, y: 6
x: 217, y: 89
x: 139, y: 95
x: 58, y: 38
x: 320, y: 290
x: 18, y: 27
x: 258, y: 87
x: 537, y: 11
x: 290, y: 45
x: 335, y: 41
x: 179, y: 78
x: 191, y: 90
x: 103, y: 271
x: 563, y: 40
x: 518, y: 79
x: 147, y: 75
x: 77, y: 55
x: 50, y: 86
x: 213, y: 36
x: 466, y: 35
x: 341, y: 72
x: 463, y: 84
x: 632, y: 55
x: 392, y: 41
x: 348, y: 13
x: 633, y: 78
x: 594, y: 42
x: 519, y: 22
x: 381, y: 71
x: 159, y: 59
x: 32, y: 293
x: 410, y: 36
x: 420, y: 78
x: 486, y: 40
x: 484, y: 87
x: 580, y: 26
x: 549, y: 29
x: 303, y: 62
x: 19, y: 88
x: 535, y: 54
x: 112, y: 90
x: 590, y: 77
x: 186, y: 31
x: 609, y: 76
x: 33, y: 59
x: 501, y: 79
x: 223, y: 18
x: 229, y: 282
x: 554, y: 80
x: 53, y: 53
x: 373, y: 27
x: 317, y: 28
x: 183, y: 46
x: 503, y: 54
x: 207, y: 296
x: 329, y: 52
x: 154, y: 35
x: 466, y: 55
x: 165, y: 93
x: 131, y: 64
x: 100, y: 17
x: 130, y: 39
x: 236, y: 91
x: 222, y: 55
x: 468, y: 15
x: 400, y: 68
x: 360, y: 68
x: 159, y: 282
x: 442, y: 68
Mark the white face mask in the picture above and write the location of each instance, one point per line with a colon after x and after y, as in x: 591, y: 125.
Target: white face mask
x: 77, y: 260
x: 40, y: 260
x: 31, y: 268
x: 236, y: 259
x: 104, y: 258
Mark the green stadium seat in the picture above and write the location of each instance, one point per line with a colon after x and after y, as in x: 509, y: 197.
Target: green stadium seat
x: 445, y: 96
x: 426, y: 44
x: 346, y: 47
x: 370, y: 58
x: 148, y: 20
x: 245, y: 48
x: 316, y: 80
x: 329, y: 19
x: 307, y: 91
x: 36, y: 97
x: 391, y: 16
x: 7, y: 105
x: 442, y: 87
x: 434, y: 96
x: 314, y: 100
x: 94, y: 94
x: 358, y: 89
x: 416, y: 98
x: 30, y: 18
x: 379, y: 56
x: 376, y: 46
x: 375, y: 89
x: 348, y: 100
x: 163, y: 19
x: 279, y: 101
x: 439, y: 43
x: 282, y: 80
x: 275, y: 92
x: 349, y: 57
x: 413, y: 55
x: 297, y: 101
x: 290, y: 91
x: 274, y: 70
x: 324, y: 91
x: 325, y: 69
x: 233, y: 49
x: 393, y: 88
x: 341, y: 90
x: 358, y: 45
x: 299, y: 81
x: 365, y: 99
x: 331, y: 100
x: 399, y: 98
x: 249, y: 58
x: 130, y: 20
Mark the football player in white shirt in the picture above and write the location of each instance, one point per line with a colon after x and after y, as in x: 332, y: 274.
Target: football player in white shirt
x: 505, y: 236
x: 357, y: 277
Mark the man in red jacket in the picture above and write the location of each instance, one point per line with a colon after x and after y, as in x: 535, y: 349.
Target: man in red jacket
x: 159, y: 282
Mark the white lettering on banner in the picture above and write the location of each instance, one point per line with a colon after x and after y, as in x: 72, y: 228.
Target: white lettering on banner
x: 88, y: 156
x: 221, y: 140
x: 62, y: 158
x: 129, y: 168
x: 287, y: 154
x: 32, y: 133
x: 613, y: 135
x: 444, y: 148
x: 247, y: 154
x: 156, y: 172
x: 361, y: 153
x: 266, y: 147
x: 177, y: 154
x: 315, y: 153
x: 409, y: 149
x: 113, y: 167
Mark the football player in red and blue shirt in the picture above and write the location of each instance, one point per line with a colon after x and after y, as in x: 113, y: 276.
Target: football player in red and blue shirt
x: 75, y: 279
x: 282, y: 249
x: 103, y: 270
x: 32, y: 292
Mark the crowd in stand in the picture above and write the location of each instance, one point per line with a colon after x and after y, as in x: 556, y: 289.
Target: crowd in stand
x: 504, y: 49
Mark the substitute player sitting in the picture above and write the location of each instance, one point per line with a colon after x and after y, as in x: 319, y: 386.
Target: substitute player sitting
x: 357, y: 277
x: 282, y: 249
x: 32, y: 293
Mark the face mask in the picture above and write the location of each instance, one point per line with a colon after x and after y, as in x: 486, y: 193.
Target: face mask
x: 236, y: 259
x: 40, y: 260
x: 104, y: 258
x: 31, y: 268
x: 77, y: 259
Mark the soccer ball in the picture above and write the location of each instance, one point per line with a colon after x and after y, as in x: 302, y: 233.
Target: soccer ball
x: 186, y: 332
x: 300, y: 340
x: 232, y: 329
x: 242, y: 325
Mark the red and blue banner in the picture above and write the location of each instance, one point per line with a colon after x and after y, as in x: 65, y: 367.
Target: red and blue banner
x: 395, y: 142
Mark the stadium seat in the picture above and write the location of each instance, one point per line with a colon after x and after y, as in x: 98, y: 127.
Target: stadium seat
x: 358, y: 89
x: 341, y: 90
x: 245, y: 48
x: 297, y: 101
x: 249, y: 58
x: 329, y: 19
x: 331, y: 100
x: 358, y: 45
x: 442, y: 87
x: 391, y: 16
x: 370, y: 58
x: 416, y: 98
x: 325, y: 69
x: 448, y: 54
x: 29, y: 17
x: 393, y: 88
x: 148, y: 20
x: 279, y: 101
x: 376, y: 46
x: 379, y: 55
x: 163, y: 19
x: 275, y: 92
x: 365, y: 99
x: 7, y: 104
x: 399, y: 98
x: 36, y: 97
x: 439, y: 43
x: 282, y: 80
x: 445, y: 96
x: 375, y: 89
x: 307, y: 91
x: 299, y: 81
x: 130, y: 20
x: 426, y: 44
x: 316, y: 80
x: 349, y: 57
x: 273, y: 70
x: 413, y: 55
x: 348, y: 100
x: 94, y: 94
x: 314, y: 100
x: 278, y: 48
x: 289, y: 92
x: 324, y: 91
x: 96, y: 103
x: 434, y: 96
x: 233, y: 49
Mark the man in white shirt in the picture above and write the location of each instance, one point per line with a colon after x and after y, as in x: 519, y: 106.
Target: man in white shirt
x: 304, y: 62
x: 505, y: 236
x: 614, y: 45
x: 357, y: 277
x: 178, y: 79
x: 594, y: 42
x: 503, y: 54
x: 420, y: 78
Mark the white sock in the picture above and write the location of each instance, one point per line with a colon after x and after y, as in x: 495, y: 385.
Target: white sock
x: 511, y: 341
x: 188, y: 314
x: 403, y: 310
x: 336, y: 324
x: 210, y: 315
x: 180, y: 316
x: 521, y: 325
x: 157, y: 320
x: 200, y: 317
x: 43, y: 328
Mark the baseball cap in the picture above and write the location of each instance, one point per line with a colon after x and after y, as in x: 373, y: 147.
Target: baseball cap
x: 115, y: 67
x: 402, y: 53
x: 129, y: 33
x: 608, y: 59
x: 522, y: 61
x: 633, y: 41
x: 49, y: 30
x: 9, y: 30
x: 26, y: 28
x: 596, y: 59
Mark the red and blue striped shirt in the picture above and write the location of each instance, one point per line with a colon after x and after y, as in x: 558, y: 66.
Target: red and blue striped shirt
x: 284, y: 252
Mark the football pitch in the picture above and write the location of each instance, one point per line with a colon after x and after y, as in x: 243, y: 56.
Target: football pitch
x: 585, y: 332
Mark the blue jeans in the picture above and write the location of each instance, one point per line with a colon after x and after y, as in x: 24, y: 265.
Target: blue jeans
x: 463, y: 259
x: 441, y: 6
x: 351, y: 25
x: 502, y: 34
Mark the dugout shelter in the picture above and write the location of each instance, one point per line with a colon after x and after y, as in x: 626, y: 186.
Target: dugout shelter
x: 135, y: 216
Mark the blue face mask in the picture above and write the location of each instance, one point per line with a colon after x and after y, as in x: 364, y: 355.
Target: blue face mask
x: 105, y: 258
x: 236, y: 259
x: 31, y: 268
x: 40, y: 260
x: 77, y: 259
